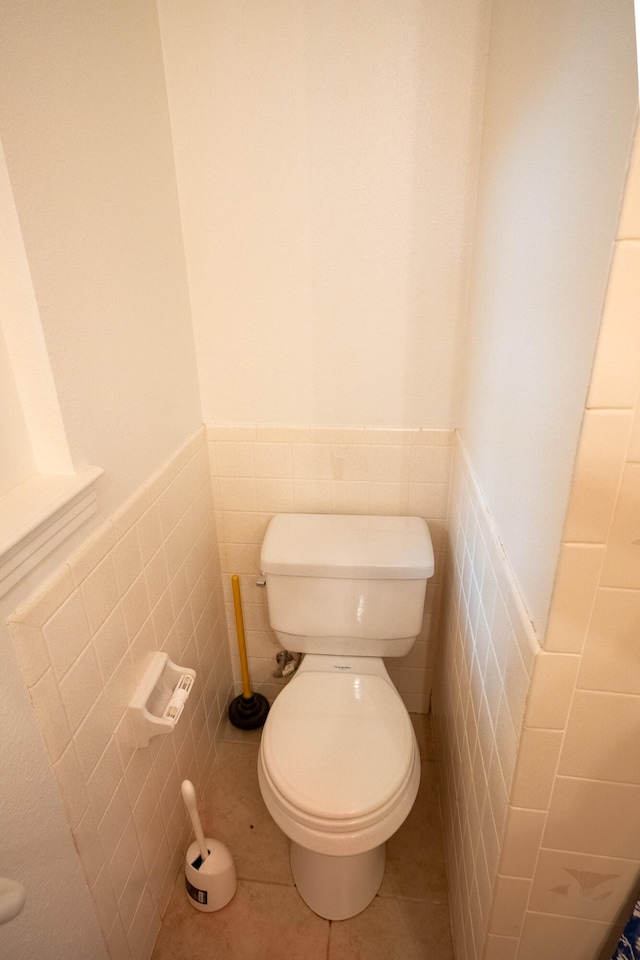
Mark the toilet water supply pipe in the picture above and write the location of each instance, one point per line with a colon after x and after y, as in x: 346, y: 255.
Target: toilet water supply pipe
x: 250, y: 710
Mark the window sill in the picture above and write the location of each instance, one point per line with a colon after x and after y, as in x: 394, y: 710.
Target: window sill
x: 38, y: 515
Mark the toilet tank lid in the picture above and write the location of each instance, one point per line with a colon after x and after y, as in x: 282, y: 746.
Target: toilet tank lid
x: 362, y: 547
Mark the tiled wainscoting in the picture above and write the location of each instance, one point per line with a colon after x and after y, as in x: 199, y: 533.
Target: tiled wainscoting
x: 259, y: 471
x: 148, y: 580
x: 484, y: 672
x: 540, y: 798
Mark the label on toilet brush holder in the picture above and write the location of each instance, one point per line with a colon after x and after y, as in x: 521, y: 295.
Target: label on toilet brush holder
x: 200, y: 896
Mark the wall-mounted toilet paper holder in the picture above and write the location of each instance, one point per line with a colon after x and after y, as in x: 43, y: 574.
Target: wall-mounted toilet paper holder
x: 159, y: 700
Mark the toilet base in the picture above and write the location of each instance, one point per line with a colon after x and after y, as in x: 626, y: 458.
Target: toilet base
x: 337, y: 888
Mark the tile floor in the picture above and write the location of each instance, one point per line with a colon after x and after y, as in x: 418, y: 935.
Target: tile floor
x: 267, y: 920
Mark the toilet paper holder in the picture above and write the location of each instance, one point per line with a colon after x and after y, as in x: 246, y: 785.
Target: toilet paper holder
x: 158, y: 702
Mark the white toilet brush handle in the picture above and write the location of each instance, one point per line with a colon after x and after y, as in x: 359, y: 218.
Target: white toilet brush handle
x: 189, y: 797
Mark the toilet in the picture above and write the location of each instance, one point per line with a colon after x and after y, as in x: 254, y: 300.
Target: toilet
x: 338, y: 765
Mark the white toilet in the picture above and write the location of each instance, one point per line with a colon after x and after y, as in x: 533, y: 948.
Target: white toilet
x: 339, y: 767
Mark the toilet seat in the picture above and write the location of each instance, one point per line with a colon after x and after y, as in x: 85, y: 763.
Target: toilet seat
x: 339, y: 764
x: 338, y: 747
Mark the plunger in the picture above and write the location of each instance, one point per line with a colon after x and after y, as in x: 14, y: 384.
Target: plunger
x: 248, y: 711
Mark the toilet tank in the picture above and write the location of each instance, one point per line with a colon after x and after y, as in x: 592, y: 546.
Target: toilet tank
x: 346, y: 585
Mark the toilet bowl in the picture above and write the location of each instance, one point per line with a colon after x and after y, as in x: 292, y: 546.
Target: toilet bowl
x: 338, y: 765
x: 339, y: 771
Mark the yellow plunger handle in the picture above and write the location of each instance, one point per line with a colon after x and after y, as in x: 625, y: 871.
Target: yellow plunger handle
x: 237, y: 605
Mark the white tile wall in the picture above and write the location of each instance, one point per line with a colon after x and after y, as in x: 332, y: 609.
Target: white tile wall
x: 148, y: 580
x: 485, y: 669
x: 261, y: 470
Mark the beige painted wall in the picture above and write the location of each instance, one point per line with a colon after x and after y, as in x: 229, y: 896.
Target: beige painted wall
x: 558, y: 122
x: 85, y: 129
x: 13, y: 430
x: 325, y: 157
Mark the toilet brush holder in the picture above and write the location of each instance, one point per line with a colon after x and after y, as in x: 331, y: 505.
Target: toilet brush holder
x: 210, y: 883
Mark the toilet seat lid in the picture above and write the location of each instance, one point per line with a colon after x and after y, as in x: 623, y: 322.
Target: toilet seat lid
x: 338, y: 746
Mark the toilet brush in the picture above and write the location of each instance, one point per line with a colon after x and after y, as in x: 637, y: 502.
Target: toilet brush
x: 210, y: 875
x: 249, y: 710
